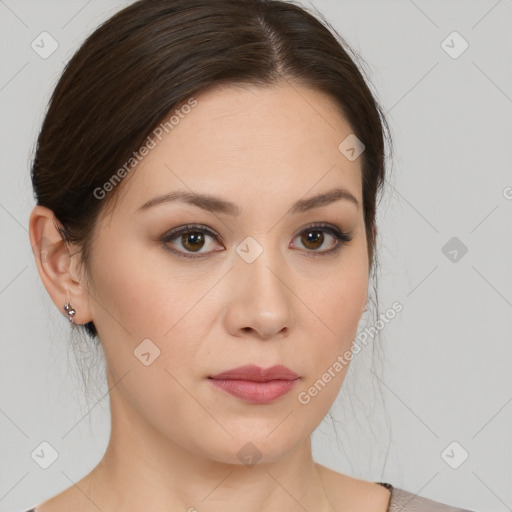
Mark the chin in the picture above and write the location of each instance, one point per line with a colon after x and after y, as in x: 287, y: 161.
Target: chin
x: 254, y: 448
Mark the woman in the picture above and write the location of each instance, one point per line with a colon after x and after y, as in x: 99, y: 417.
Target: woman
x: 206, y: 181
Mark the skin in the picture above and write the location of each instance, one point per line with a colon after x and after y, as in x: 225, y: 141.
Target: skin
x: 175, y: 437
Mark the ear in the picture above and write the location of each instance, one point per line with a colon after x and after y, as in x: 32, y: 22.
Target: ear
x: 58, y: 264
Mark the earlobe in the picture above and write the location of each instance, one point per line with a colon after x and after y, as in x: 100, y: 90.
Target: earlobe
x: 56, y: 266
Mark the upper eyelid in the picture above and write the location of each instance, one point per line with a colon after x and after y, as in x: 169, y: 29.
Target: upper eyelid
x: 326, y: 226
x: 190, y: 228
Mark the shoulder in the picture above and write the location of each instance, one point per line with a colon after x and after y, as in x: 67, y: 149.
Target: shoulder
x: 405, y: 501
x: 75, y: 497
x: 354, y: 494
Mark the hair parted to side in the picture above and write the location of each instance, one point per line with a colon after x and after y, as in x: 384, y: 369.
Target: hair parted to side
x: 153, y: 56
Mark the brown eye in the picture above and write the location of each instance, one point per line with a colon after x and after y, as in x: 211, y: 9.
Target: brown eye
x: 189, y: 241
x: 313, y: 238
x: 193, y: 241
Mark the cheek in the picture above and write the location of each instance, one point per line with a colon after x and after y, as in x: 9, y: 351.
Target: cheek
x: 130, y: 298
x: 152, y: 394
x: 335, y: 295
x: 338, y: 303
x: 338, y: 308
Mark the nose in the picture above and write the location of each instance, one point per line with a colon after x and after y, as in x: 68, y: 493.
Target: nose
x: 260, y: 298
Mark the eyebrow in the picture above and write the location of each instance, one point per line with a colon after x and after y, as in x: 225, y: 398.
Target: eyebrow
x: 216, y: 204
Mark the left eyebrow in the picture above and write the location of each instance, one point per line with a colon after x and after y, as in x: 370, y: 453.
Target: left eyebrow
x: 323, y: 199
x: 216, y: 204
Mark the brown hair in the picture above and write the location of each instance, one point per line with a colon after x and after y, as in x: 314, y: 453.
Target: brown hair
x: 152, y: 56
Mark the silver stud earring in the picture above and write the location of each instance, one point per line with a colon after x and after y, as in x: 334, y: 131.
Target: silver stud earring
x: 70, y: 310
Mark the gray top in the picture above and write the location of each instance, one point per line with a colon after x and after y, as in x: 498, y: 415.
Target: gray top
x: 404, y: 501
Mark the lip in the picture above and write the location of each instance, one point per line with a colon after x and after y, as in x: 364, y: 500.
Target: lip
x: 257, y: 374
x: 255, y: 384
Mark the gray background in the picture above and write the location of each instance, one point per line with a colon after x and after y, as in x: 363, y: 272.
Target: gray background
x: 444, y: 374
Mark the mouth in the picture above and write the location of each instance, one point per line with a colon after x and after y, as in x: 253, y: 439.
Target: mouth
x: 255, y: 384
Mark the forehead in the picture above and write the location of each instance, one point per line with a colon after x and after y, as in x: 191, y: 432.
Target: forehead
x: 241, y: 140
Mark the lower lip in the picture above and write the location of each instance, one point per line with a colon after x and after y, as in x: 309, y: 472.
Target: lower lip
x: 255, y: 392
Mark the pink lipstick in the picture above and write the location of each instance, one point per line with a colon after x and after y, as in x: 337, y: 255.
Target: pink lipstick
x: 255, y: 384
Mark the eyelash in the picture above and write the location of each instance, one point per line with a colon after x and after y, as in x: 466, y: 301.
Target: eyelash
x: 342, y: 238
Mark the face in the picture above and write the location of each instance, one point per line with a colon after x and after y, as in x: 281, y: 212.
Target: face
x: 180, y: 292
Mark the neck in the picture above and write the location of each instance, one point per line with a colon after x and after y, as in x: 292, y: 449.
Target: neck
x: 142, y: 469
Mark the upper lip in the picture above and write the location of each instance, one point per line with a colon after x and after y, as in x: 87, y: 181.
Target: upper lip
x: 257, y: 374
